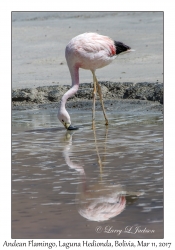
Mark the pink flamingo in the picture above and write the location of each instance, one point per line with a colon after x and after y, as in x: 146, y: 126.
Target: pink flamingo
x: 88, y: 51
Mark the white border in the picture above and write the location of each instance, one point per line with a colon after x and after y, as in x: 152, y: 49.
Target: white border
x: 5, y: 105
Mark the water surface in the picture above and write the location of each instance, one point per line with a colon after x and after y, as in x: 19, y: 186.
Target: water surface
x: 85, y: 184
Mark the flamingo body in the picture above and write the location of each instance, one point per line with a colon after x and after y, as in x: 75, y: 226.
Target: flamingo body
x: 89, y: 51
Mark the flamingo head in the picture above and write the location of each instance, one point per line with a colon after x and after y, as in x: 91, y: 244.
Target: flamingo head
x: 64, y: 118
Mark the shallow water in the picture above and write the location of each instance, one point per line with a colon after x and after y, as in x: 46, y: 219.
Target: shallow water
x: 85, y: 184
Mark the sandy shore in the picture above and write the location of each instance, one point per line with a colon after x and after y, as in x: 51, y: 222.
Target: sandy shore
x: 39, y: 40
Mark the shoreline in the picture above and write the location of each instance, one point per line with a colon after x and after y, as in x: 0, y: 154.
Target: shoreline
x: 143, y: 93
x: 118, y: 96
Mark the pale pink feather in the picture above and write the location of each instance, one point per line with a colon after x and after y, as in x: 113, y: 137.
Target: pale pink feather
x: 88, y: 51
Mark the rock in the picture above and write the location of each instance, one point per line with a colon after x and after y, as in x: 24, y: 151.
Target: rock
x: 19, y: 96
x: 104, y: 90
x: 159, y: 93
x: 86, y: 85
x: 129, y: 92
x: 33, y: 95
x: 85, y: 93
x: 41, y: 97
x: 54, y: 96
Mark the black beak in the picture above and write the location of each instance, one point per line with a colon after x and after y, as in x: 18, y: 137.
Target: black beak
x: 72, y: 128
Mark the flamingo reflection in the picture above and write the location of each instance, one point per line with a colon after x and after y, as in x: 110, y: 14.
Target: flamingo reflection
x: 99, y: 201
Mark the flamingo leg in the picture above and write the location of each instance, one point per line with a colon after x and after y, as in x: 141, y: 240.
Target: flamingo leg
x: 98, y: 155
x: 101, y: 98
x: 94, y: 96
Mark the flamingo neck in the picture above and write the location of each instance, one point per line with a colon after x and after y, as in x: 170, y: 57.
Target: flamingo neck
x: 74, y: 71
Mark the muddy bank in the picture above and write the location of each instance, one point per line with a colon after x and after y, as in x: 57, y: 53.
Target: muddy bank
x: 114, y: 93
